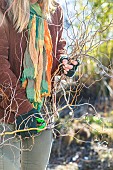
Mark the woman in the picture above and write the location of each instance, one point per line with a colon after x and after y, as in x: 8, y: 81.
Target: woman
x: 31, y: 47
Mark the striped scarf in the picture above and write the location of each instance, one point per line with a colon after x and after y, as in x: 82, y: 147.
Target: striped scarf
x: 37, y: 63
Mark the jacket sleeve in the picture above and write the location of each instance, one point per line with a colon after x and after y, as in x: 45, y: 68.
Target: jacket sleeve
x: 12, y: 96
x: 61, y: 51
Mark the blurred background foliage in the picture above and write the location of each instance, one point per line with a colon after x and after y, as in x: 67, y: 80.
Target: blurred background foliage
x: 87, y: 121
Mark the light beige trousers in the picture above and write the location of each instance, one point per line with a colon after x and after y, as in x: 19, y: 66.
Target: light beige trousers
x: 31, y: 155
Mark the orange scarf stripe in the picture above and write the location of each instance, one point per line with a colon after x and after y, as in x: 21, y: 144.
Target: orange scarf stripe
x: 47, y: 38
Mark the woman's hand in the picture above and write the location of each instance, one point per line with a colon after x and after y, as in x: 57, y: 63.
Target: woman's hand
x: 31, y: 120
x: 69, y: 68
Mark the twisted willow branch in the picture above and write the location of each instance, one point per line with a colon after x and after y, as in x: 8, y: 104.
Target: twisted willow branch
x: 23, y: 130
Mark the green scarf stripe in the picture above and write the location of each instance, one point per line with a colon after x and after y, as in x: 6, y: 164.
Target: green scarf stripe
x: 35, y: 9
x: 44, y: 86
x: 41, y: 30
x: 30, y: 91
x: 32, y: 13
x: 30, y: 94
x: 28, y: 73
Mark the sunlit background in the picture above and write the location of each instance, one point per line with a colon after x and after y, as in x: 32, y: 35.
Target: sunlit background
x: 84, y: 129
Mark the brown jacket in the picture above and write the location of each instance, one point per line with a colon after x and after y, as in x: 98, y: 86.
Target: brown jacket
x: 13, y: 101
